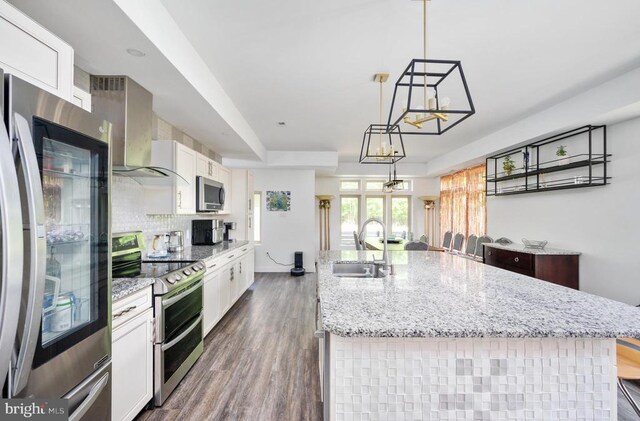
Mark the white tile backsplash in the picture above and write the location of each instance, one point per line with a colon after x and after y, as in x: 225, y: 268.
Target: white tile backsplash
x: 128, y: 212
x: 473, y: 379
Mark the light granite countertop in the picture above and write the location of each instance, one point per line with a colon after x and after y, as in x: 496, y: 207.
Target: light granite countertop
x: 442, y: 295
x: 121, y: 287
x: 193, y: 253
x: 522, y: 249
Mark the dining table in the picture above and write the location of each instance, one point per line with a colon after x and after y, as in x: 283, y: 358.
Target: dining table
x: 375, y: 243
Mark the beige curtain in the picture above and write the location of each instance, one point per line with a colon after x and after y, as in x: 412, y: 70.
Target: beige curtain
x: 463, y: 202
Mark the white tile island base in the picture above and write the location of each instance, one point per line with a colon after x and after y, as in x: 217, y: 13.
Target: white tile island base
x: 472, y: 379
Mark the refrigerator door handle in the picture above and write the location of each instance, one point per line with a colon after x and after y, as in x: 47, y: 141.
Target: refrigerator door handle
x: 37, y: 248
x: 91, y: 398
x: 11, y: 276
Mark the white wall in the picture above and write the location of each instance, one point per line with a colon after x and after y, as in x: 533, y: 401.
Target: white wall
x: 331, y: 186
x: 284, y: 233
x: 601, y: 222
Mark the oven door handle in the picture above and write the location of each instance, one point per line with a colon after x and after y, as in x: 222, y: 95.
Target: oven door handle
x: 189, y: 290
x: 182, y: 335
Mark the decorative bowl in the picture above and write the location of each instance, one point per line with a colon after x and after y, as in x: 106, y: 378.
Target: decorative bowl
x: 534, y: 244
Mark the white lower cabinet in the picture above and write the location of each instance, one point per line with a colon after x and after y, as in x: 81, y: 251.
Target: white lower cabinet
x: 226, y: 279
x: 132, y: 363
x: 211, y: 311
x: 226, y: 287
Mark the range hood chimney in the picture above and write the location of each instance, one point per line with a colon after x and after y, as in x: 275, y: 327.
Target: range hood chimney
x: 128, y: 106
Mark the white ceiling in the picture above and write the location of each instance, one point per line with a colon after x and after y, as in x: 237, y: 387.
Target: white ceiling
x: 310, y: 63
x: 100, y: 32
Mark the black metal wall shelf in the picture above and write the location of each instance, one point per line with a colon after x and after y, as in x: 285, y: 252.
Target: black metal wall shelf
x: 588, y: 168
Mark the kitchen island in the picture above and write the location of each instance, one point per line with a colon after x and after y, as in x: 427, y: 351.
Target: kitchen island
x: 450, y: 338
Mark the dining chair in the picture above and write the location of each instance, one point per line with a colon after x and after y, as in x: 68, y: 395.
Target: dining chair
x: 483, y: 239
x: 628, y: 356
x: 357, y: 240
x: 446, y: 241
x: 416, y: 245
x: 458, y: 240
x: 424, y: 239
x: 471, y: 245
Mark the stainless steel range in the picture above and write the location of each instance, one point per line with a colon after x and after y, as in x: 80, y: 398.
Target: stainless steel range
x: 177, y: 308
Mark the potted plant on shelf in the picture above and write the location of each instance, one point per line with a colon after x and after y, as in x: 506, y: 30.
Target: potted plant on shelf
x: 561, y: 152
x: 508, y: 165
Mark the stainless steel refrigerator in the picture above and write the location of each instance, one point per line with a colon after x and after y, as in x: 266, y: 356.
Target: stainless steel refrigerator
x: 58, y: 267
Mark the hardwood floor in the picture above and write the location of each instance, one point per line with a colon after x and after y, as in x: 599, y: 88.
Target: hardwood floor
x: 259, y: 363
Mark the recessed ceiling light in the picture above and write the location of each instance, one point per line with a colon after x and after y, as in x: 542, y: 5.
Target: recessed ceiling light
x: 136, y: 53
x: 281, y: 123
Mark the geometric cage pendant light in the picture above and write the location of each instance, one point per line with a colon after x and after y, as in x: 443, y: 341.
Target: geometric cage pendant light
x: 430, y: 96
x: 382, y: 143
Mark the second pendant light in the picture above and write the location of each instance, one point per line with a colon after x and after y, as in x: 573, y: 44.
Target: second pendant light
x: 382, y: 143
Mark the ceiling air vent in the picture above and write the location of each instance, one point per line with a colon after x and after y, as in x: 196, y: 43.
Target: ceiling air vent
x: 108, y: 83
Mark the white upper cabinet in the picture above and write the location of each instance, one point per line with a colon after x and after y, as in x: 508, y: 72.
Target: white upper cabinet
x: 224, y: 177
x: 179, y: 197
x: 250, y: 205
x: 206, y: 167
x: 81, y: 98
x: 242, y: 210
x: 34, y: 54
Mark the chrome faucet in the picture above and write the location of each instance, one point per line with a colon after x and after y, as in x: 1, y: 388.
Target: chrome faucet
x: 385, y: 255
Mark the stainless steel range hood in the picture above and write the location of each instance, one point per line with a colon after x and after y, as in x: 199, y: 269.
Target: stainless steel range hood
x: 128, y: 106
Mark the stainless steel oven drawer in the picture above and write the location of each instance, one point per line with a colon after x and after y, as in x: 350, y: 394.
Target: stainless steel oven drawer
x: 173, y: 360
x: 175, y: 310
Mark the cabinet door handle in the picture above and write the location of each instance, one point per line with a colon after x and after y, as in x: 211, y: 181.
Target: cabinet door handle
x: 180, y: 199
x: 517, y: 259
x: 231, y: 257
x: 489, y: 253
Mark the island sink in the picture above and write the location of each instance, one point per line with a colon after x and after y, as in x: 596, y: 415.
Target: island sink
x: 353, y: 269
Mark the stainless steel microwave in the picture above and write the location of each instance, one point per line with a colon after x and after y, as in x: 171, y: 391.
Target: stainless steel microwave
x: 209, y: 195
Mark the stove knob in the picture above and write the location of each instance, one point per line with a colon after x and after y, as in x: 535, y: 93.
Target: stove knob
x: 170, y: 279
x: 187, y: 272
x: 177, y: 277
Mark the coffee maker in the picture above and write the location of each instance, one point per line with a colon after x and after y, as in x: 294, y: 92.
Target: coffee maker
x: 206, y: 232
x: 228, y: 226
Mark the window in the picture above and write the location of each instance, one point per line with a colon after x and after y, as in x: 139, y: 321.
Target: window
x: 349, y: 185
x: 374, y: 185
x: 349, y: 219
x: 400, y: 214
x: 406, y: 186
x: 257, y: 206
x: 463, y: 202
x: 375, y: 209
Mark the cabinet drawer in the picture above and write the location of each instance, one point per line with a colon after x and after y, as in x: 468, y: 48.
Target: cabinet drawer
x: 130, y: 306
x: 213, y: 264
x: 511, y: 260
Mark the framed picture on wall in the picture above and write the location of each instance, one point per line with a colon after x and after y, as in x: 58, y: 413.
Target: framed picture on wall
x: 278, y: 201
